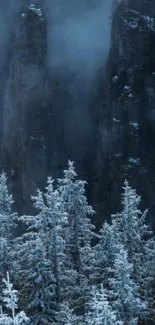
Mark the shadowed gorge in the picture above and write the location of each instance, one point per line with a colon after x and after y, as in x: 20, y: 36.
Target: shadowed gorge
x: 52, y: 84
x: 77, y: 82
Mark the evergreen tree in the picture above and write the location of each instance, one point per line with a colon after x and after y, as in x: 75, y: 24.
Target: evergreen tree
x: 37, y: 281
x: 10, y: 299
x: 105, y: 252
x: 132, y: 229
x: 72, y: 192
x: 66, y: 315
x: 45, y: 244
x: 7, y: 222
x: 124, y: 291
x: 52, y: 228
x: 100, y: 311
x: 79, y: 233
x: 137, y: 240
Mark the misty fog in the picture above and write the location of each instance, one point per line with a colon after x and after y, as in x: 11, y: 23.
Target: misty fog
x: 78, y: 33
x: 78, y: 36
x: 78, y: 42
x: 78, y: 46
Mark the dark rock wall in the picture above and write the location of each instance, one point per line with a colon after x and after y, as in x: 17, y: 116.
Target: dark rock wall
x: 50, y: 110
x: 23, y: 144
x: 129, y: 102
x: 101, y: 117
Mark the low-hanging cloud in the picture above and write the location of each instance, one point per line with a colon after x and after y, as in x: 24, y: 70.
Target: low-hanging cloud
x: 78, y: 35
x: 78, y: 40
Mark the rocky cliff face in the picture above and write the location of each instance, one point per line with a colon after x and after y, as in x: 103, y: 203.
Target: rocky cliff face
x: 50, y: 105
x: 104, y: 120
x: 129, y: 103
x: 23, y: 139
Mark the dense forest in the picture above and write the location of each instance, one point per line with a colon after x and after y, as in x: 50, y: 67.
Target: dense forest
x: 77, y: 82
x: 66, y: 272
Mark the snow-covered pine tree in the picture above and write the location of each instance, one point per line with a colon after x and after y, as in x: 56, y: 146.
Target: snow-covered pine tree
x: 131, y: 227
x: 7, y: 222
x: 105, y: 252
x: 66, y: 315
x: 10, y: 300
x: 124, y: 293
x: 79, y: 233
x: 54, y: 222
x: 135, y: 236
x: 100, y: 311
x: 37, y: 281
x: 148, y: 280
x: 48, y: 228
x: 72, y: 192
